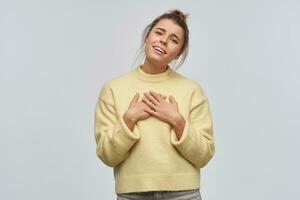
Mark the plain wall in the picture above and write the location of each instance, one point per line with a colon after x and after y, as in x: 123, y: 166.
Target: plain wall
x: 56, y: 55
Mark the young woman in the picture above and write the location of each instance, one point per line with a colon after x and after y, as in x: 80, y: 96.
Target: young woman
x: 158, y: 141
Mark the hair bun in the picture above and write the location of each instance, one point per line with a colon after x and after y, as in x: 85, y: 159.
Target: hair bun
x: 178, y: 13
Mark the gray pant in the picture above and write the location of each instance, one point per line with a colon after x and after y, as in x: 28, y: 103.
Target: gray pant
x: 162, y: 195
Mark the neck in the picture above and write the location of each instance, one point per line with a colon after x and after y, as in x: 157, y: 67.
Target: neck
x: 152, y: 68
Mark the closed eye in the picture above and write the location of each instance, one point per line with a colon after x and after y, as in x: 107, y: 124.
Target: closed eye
x: 159, y: 33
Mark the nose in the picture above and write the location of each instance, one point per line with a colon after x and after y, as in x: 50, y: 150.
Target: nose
x: 163, y: 40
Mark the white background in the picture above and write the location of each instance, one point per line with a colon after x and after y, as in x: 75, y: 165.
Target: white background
x: 56, y: 55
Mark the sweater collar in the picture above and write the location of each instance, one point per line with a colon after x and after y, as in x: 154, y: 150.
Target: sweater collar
x: 153, y: 77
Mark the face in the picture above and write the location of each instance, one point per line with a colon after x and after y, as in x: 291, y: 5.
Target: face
x: 164, y: 42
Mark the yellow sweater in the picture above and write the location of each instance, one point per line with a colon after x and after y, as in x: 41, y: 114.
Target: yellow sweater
x: 150, y: 158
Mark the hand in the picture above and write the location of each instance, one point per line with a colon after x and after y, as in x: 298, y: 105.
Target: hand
x: 136, y: 110
x: 159, y: 108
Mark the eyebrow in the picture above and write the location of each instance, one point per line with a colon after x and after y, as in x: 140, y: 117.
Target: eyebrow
x: 164, y: 30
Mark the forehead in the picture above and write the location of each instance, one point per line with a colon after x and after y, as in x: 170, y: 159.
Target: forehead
x: 170, y: 27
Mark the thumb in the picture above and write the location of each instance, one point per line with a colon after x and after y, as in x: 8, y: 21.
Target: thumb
x: 135, y: 98
x: 172, y: 100
x: 163, y: 96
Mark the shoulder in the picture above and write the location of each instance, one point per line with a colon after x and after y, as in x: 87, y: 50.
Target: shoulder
x: 106, y: 89
x: 119, y: 80
x: 195, y: 87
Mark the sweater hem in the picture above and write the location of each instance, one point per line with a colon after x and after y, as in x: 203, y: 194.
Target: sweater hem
x: 157, y: 182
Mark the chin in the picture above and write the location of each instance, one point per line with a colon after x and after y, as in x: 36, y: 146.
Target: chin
x: 154, y: 58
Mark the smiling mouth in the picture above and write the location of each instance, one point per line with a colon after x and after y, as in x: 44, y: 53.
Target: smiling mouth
x: 159, y: 50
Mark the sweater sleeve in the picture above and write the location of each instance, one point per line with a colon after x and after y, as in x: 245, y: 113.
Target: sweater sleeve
x: 196, y: 143
x: 113, y: 138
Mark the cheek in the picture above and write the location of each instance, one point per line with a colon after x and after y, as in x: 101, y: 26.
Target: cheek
x: 148, y: 47
x: 149, y: 42
x: 175, y: 49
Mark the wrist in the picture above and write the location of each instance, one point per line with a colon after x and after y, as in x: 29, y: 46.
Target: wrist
x: 178, y: 125
x: 177, y: 120
x: 129, y: 121
x: 128, y: 117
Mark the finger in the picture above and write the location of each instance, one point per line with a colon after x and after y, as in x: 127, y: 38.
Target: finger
x: 151, y: 98
x: 155, y: 95
x: 148, y: 102
x: 172, y: 100
x: 136, y: 97
x: 151, y: 112
x: 163, y: 96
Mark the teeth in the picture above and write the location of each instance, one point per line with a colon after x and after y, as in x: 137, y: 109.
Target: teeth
x: 159, y: 49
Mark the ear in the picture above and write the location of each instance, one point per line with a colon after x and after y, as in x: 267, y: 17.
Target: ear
x: 145, y: 40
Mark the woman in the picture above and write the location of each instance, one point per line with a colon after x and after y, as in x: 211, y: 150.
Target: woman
x: 158, y: 141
